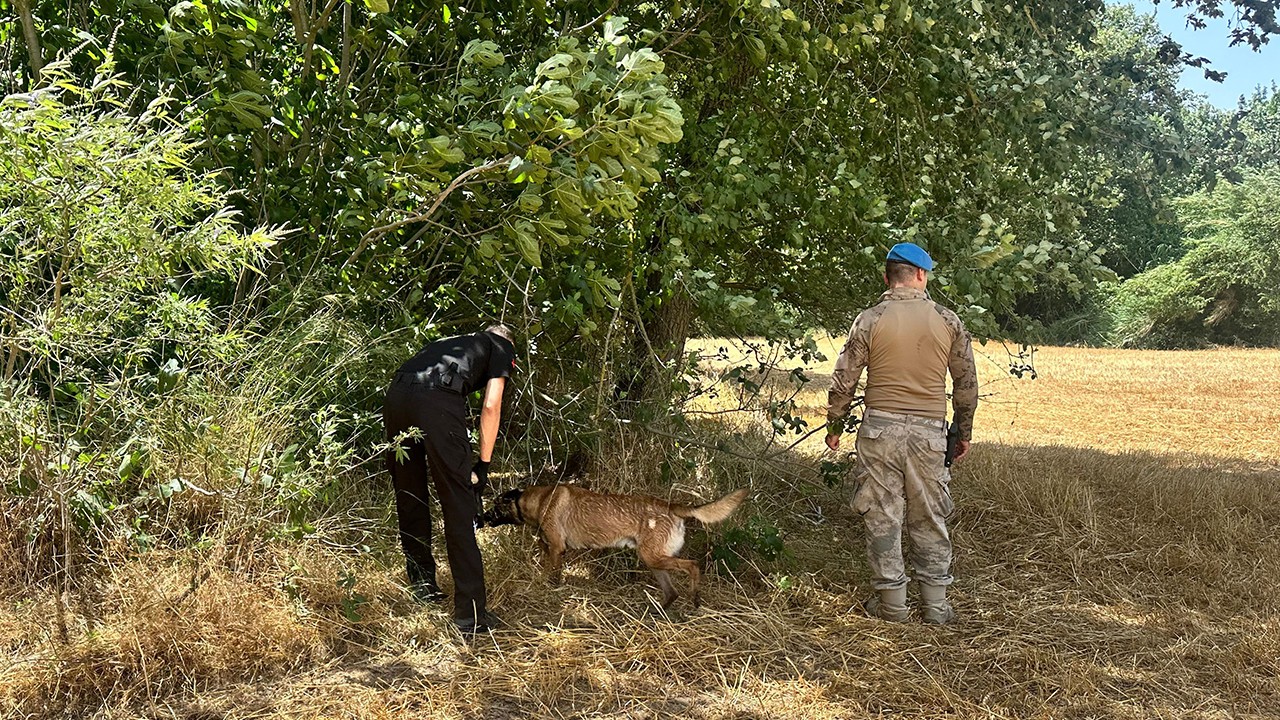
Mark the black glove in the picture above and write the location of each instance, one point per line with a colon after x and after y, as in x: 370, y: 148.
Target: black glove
x: 480, y: 477
x: 479, y: 481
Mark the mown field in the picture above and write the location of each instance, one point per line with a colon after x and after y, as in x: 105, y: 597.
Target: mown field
x: 1117, y: 557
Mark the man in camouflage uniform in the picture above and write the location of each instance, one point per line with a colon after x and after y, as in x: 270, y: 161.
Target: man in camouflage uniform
x: 907, y: 344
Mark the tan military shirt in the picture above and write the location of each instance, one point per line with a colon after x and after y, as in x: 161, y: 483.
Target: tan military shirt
x: 907, y: 343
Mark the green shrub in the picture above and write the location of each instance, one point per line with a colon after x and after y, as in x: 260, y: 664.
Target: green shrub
x: 1226, y: 288
x: 119, y: 272
x: 757, y: 539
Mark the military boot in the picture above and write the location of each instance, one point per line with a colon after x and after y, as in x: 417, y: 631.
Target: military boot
x: 422, y: 583
x: 934, y: 608
x: 888, y: 605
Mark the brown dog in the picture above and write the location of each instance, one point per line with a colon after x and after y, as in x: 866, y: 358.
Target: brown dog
x: 570, y: 517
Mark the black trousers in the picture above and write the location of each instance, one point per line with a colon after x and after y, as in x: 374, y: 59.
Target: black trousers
x: 444, y: 454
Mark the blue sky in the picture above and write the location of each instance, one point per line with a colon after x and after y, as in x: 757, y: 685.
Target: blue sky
x: 1245, y: 68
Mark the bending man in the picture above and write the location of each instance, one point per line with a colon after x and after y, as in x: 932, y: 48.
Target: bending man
x: 429, y: 393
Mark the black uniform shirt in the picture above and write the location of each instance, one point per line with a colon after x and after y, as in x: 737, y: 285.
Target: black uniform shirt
x: 462, y: 364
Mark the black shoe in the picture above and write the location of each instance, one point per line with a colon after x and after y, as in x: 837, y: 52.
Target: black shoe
x: 487, y: 622
x: 427, y: 593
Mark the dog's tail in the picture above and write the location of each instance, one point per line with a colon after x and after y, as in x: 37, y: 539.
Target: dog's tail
x: 713, y: 512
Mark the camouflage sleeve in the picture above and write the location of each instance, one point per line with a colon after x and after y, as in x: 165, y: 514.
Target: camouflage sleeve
x: 849, y: 367
x: 964, y: 378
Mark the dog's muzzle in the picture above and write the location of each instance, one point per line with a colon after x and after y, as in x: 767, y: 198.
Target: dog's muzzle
x: 494, y: 517
x: 505, y: 510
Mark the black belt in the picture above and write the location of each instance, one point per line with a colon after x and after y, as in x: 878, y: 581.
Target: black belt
x: 426, y: 380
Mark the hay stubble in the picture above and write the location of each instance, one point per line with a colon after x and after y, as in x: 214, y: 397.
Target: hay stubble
x: 1117, y: 556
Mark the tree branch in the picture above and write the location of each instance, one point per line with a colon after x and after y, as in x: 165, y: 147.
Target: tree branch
x: 344, y: 74
x: 425, y: 215
x: 602, y: 16
x: 32, y: 40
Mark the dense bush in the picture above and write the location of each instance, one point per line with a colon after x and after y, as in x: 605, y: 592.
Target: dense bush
x: 1226, y: 288
x: 133, y: 366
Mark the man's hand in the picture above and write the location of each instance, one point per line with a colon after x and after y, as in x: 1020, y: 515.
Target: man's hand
x: 479, y: 481
x: 962, y: 449
x: 833, y: 441
x: 480, y: 477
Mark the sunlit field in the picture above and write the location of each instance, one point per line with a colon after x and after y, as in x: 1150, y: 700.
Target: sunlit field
x: 1117, y: 556
x: 1222, y: 403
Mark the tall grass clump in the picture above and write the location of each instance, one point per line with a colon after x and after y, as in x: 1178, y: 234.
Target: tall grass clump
x: 155, y: 410
x: 119, y: 265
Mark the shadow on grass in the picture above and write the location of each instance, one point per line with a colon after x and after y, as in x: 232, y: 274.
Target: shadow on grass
x: 1089, y: 584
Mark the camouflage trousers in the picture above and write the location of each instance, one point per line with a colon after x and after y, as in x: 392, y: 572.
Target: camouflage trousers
x: 902, y: 482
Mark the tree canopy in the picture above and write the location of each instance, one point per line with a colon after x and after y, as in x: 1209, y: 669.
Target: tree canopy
x: 281, y: 198
x: 604, y: 157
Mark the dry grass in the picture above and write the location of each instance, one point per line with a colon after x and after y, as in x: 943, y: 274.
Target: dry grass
x: 1220, y: 403
x: 1097, y: 578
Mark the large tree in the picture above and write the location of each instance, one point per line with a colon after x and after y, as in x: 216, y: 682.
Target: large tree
x: 617, y: 171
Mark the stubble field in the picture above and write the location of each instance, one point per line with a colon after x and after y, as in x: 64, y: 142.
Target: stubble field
x: 1117, y: 556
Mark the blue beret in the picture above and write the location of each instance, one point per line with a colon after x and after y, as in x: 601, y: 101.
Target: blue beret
x: 911, y: 254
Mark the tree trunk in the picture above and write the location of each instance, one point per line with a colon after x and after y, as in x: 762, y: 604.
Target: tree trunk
x: 32, y: 40
x: 657, y: 348
x: 645, y: 385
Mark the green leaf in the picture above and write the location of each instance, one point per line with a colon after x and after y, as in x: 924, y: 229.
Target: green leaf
x: 529, y: 202
x: 169, y: 376
x: 484, y: 53
x: 538, y: 154
x: 446, y: 13
x: 567, y: 194
x: 444, y: 148
x: 613, y: 30
x: 527, y: 242
x: 992, y: 254
x: 378, y: 6
x: 169, y: 488
x: 556, y: 67
x: 644, y: 63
